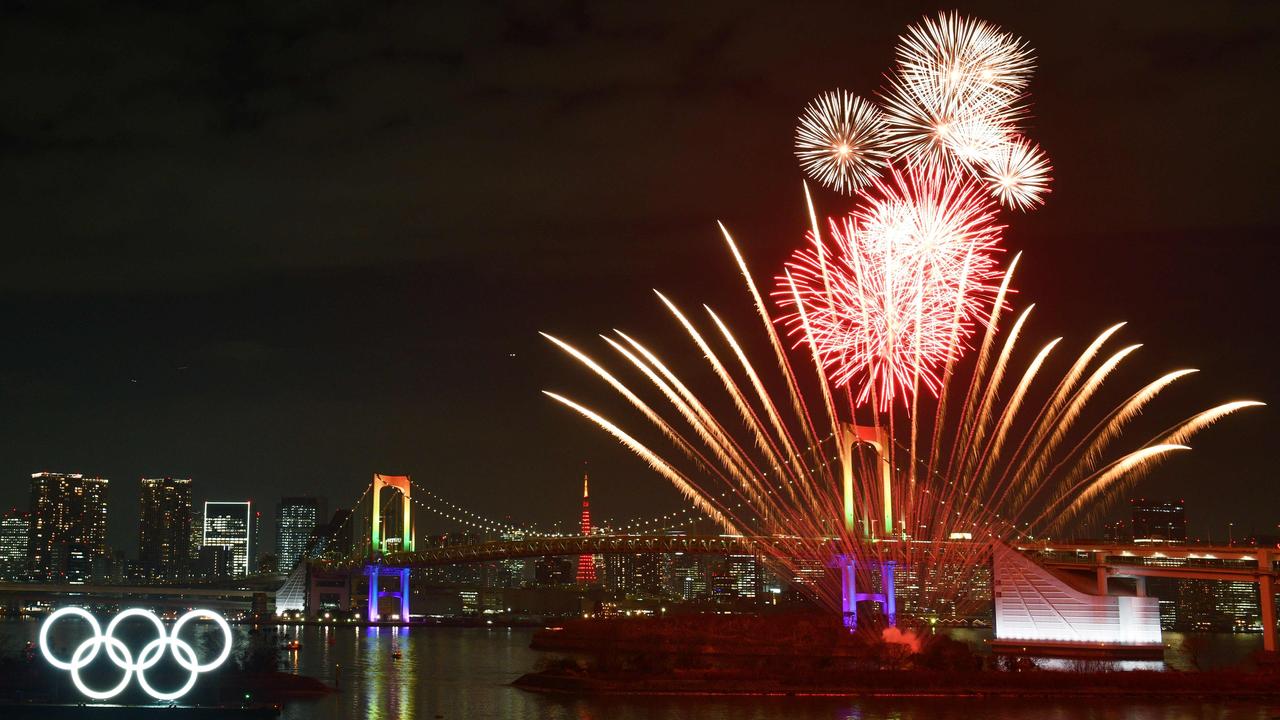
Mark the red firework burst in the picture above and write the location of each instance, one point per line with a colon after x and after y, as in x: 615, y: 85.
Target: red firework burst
x: 900, y: 287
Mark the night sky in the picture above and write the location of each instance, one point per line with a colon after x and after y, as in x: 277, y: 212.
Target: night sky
x: 277, y: 247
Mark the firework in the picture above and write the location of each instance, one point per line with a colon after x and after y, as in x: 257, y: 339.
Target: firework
x: 954, y: 103
x: 840, y: 141
x: 926, y: 129
x: 959, y: 60
x: 879, y: 311
x: 1019, y: 175
x: 995, y: 467
x: 899, y: 291
x: 954, y: 97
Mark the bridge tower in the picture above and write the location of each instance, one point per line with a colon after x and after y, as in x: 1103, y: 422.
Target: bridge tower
x: 401, y: 483
x: 380, y: 545
x: 850, y: 436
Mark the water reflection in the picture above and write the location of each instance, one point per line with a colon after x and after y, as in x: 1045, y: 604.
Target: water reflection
x: 456, y: 673
x: 466, y: 673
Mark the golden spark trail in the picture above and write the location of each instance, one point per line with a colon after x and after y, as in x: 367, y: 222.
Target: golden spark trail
x: 1096, y: 483
x: 1203, y: 420
x: 1049, y: 417
x: 991, y: 455
x: 793, y: 389
x: 720, y: 443
x: 983, y: 415
x: 658, y: 464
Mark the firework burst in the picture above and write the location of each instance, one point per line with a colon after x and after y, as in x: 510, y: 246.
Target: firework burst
x: 1019, y: 175
x: 841, y: 142
x: 883, y: 308
x: 991, y: 465
x: 954, y: 97
x: 901, y: 287
x: 954, y: 103
x: 959, y: 60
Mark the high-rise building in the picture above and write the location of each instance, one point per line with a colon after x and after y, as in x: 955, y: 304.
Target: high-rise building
x: 745, y: 571
x: 688, y: 577
x: 333, y: 537
x: 15, y: 544
x: 296, y: 519
x: 227, y: 524
x: 255, y: 541
x: 1158, y: 521
x: 164, y: 528
x: 586, y: 563
x: 214, y: 562
x: 634, y: 574
x: 68, y: 512
x: 197, y: 532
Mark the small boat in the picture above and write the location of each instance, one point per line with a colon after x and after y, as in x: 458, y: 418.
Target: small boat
x: 395, y: 654
x: 292, y: 645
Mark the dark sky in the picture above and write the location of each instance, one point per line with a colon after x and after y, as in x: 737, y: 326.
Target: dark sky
x: 279, y: 246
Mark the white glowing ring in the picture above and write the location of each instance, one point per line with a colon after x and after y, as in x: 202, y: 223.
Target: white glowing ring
x: 93, y: 644
x: 44, y: 637
x: 226, y: 636
x: 179, y: 647
x: 119, y: 653
x: 115, y: 622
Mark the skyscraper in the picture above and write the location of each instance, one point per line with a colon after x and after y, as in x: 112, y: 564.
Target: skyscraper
x: 68, y: 511
x: 226, y: 524
x: 745, y: 571
x: 586, y: 563
x: 255, y: 541
x: 197, y: 532
x: 15, y: 544
x: 333, y: 537
x: 296, y: 519
x: 634, y: 574
x: 1158, y: 521
x: 164, y: 528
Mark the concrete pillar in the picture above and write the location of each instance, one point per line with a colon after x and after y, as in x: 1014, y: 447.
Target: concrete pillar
x: 404, y: 594
x: 1267, y: 601
x: 890, y: 592
x: 1100, y: 568
x: 373, y: 595
x: 1140, y: 586
x: 848, y: 590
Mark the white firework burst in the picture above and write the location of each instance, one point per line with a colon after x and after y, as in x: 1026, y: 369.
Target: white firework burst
x: 925, y: 128
x: 1019, y: 176
x: 954, y: 97
x: 841, y: 141
x: 964, y: 58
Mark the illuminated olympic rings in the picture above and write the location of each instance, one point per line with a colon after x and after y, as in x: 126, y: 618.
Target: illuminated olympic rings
x: 119, y: 653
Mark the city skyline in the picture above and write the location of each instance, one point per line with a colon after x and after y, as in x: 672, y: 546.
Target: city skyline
x: 267, y: 538
x: 313, y: 531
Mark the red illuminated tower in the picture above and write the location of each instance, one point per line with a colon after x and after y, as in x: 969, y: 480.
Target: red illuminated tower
x: 586, y: 563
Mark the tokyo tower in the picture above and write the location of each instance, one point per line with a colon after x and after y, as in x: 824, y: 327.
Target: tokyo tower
x: 586, y: 563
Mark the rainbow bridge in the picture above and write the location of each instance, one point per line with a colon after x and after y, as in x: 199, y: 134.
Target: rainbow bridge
x: 1043, y: 595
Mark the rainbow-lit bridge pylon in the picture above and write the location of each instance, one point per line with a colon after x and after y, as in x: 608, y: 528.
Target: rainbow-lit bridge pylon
x: 850, y: 436
x: 389, y: 537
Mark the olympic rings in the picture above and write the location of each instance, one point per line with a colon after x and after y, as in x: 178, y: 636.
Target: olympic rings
x: 183, y: 654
